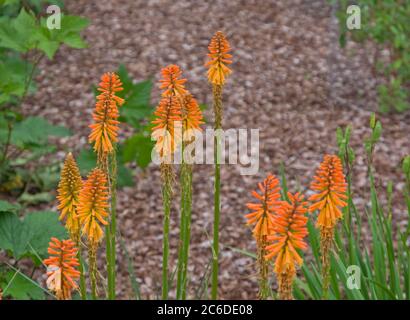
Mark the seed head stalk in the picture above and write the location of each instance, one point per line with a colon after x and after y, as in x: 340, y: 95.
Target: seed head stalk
x: 167, y: 135
x: 167, y: 175
x: 217, y: 72
x: 104, y: 136
x: 264, y: 291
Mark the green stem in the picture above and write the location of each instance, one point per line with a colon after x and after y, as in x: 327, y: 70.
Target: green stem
x: 108, y: 255
x: 182, y: 227
x: 113, y: 225
x: 187, y: 228
x: 83, y: 290
x: 217, y: 94
x: 166, y: 171
x: 92, y: 261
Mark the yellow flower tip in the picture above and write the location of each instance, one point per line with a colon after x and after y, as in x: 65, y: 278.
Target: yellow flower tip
x: 104, y: 130
x: 168, y: 126
x: 67, y: 195
x: 93, y: 204
x: 330, y: 186
x: 218, y: 59
x: 171, y: 81
x: 61, y: 268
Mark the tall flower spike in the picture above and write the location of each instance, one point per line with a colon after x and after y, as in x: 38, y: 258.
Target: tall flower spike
x: 61, y: 268
x: 263, y: 211
x: 171, y: 82
x: 167, y: 131
x: 68, y: 191
x: 262, y: 216
x: 191, y: 117
x: 288, y: 231
x: 104, y: 130
x: 219, y: 58
x: 330, y: 185
x: 93, y: 204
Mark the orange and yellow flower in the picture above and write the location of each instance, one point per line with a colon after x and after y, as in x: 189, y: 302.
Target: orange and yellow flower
x: 288, y: 231
x: 171, y: 81
x: 104, y: 130
x: 191, y: 117
x: 219, y: 58
x: 68, y: 191
x: 93, y: 204
x: 168, y: 126
x: 263, y: 211
x: 330, y: 185
x: 61, y: 268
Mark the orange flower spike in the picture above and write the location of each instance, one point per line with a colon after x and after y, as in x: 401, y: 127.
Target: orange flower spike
x: 330, y: 185
x: 104, y: 130
x: 219, y: 58
x: 171, y: 82
x: 68, y: 191
x: 93, y: 204
x: 191, y: 116
x: 61, y: 268
x: 288, y: 231
x: 263, y: 210
x: 167, y: 129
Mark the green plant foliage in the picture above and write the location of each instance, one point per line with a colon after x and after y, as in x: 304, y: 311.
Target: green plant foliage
x: 24, y: 33
x: 13, y: 234
x: 35, y: 131
x: 386, y: 23
x: 19, y: 287
x: 29, y: 236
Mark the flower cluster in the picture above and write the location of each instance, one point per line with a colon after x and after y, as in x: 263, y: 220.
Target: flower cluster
x: 61, y: 268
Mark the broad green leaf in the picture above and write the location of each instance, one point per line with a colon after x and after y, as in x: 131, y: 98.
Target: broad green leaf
x: 138, y: 148
x: 19, y: 287
x: 8, y: 207
x: 43, y: 225
x: 35, y: 131
x: 13, y: 234
x: 86, y: 160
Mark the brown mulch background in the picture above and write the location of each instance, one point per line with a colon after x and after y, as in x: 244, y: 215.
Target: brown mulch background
x: 290, y: 79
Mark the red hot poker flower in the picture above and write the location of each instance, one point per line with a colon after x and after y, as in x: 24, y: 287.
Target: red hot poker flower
x: 104, y: 130
x: 330, y: 185
x: 61, y: 271
x: 171, y: 82
x: 263, y: 211
x: 219, y: 58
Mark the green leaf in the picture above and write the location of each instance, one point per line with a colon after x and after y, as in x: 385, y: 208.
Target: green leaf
x: 35, y: 131
x: 125, y: 176
x: 42, y: 226
x: 86, y: 160
x: 75, y: 41
x: 138, y: 148
x: 41, y: 197
x: 19, y: 287
x: 13, y: 234
x: 8, y: 207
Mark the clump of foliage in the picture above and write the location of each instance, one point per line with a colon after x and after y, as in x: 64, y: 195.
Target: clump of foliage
x: 25, y: 40
x: 386, y: 23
